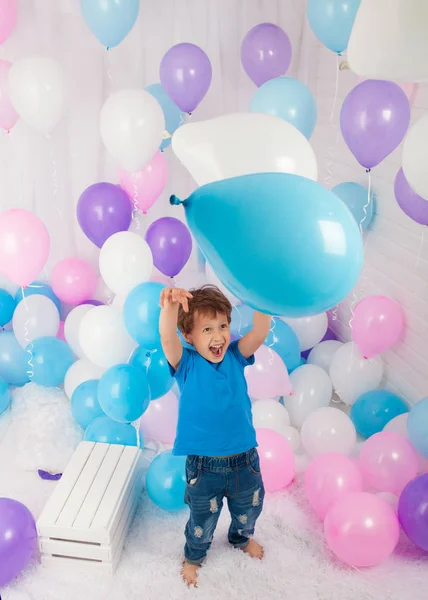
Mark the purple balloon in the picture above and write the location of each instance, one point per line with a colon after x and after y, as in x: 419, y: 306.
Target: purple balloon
x: 374, y: 119
x: 18, y: 539
x: 329, y: 335
x: 265, y: 53
x: 409, y: 201
x: 185, y: 75
x: 103, y: 209
x: 413, y: 511
x: 171, y: 244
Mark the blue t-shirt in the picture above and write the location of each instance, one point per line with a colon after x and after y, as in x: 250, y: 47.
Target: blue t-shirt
x: 214, y: 417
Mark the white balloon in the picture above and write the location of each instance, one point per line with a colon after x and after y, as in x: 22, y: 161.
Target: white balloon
x: 322, y: 354
x: 103, y: 293
x: 36, y: 316
x: 132, y: 123
x: 352, y: 375
x: 118, y: 302
x: 80, y: 371
x: 270, y: 414
x: 309, y: 330
x: 389, y: 40
x: 415, y: 150
x: 37, y: 91
x: 103, y: 337
x: 311, y: 389
x: 72, y: 327
x: 214, y: 280
x: 293, y: 437
x: 328, y: 430
x: 125, y: 261
x: 399, y: 425
x: 240, y: 144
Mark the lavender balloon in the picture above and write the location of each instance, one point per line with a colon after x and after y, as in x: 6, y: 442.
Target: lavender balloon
x: 103, y: 209
x: 185, y: 75
x: 18, y: 539
x: 265, y: 53
x: 374, y: 119
x: 413, y: 511
x: 171, y: 244
x: 409, y: 201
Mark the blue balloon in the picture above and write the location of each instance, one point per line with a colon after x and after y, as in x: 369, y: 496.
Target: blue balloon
x: 356, y: 197
x: 417, y: 426
x: 174, y: 117
x: 110, y: 20
x: 284, y: 342
x: 373, y: 410
x: 166, y: 481
x: 4, y: 396
x: 288, y: 99
x: 50, y: 359
x: 107, y: 431
x: 14, y: 367
x: 332, y: 21
x: 85, y: 407
x: 242, y: 320
x: 41, y: 288
x: 306, y: 248
x: 123, y: 393
x: 7, y: 307
x: 141, y: 313
x: 155, y: 364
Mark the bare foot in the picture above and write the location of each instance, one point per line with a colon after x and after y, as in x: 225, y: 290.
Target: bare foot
x: 189, y: 574
x: 254, y: 550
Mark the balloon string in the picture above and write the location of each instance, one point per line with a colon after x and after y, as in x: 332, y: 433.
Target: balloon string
x: 109, y: 69
x: 270, y: 346
x: 135, y: 210
x: 28, y: 344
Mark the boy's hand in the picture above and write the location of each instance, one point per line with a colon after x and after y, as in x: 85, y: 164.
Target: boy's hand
x: 172, y: 296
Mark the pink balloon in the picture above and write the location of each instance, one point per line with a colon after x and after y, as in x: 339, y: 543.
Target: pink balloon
x: 24, y: 246
x: 73, y: 280
x: 8, y: 115
x: 361, y: 529
x: 277, y: 461
x: 388, y: 462
x: 60, y: 334
x: 159, y: 422
x: 8, y: 15
x: 145, y: 186
x: 377, y: 324
x: 328, y: 478
x: 268, y: 377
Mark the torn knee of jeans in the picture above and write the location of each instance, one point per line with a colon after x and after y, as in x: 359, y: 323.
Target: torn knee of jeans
x: 243, y: 519
x: 256, y: 498
x: 213, y: 505
x: 199, y: 532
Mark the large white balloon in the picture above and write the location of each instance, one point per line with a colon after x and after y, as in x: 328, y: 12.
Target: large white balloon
x: 352, y: 374
x: 293, y: 436
x: 36, y: 316
x: 72, y: 327
x: 389, y: 40
x: 37, y: 91
x: 103, y: 337
x: 415, y: 151
x: 309, y: 330
x: 328, y: 430
x: 80, y: 371
x: 312, y: 389
x: 322, y: 354
x: 241, y: 144
x: 125, y: 261
x: 270, y: 414
x: 214, y: 280
x: 132, y: 124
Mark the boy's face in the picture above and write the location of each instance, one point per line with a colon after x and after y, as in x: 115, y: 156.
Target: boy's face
x: 210, y: 336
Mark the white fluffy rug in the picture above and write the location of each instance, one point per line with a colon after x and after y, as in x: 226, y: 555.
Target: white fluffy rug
x: 297, y: 565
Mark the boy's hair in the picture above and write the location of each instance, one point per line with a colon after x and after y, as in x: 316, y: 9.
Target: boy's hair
x: 207, y: 300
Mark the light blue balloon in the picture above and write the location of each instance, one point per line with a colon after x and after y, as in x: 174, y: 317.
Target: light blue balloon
x: 356, y: 198
x: 51, y: 358
x: 332, y: 21
x: 284, y: 342
x: 110, y: 20
x: 288, y: 99
x: 242, y: 320
x: 141, y: 313
x: 374, y: 409
x: 166, y: 481
x: 155, y: 364
x: 174, y: 117
x: 85, y: 407
x: 123, y: 393
x: 306, y: 248
x: 417, y: 426
x: 14, y: 366
x: 7, y: 307
x: 4, y: 396
x: 107, y: 431
x: 41, y: 288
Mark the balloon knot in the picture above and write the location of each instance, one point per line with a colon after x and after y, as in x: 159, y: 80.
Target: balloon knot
x: 368, y: 170
x: 108, y: 48
x: 174, y: 201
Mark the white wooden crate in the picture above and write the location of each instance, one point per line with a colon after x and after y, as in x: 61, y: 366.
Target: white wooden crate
x: 87, y: 518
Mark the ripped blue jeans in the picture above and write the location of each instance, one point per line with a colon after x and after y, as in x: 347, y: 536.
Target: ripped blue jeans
x: 209, y: 481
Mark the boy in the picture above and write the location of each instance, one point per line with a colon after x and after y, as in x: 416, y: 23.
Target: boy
x: 215, y: 429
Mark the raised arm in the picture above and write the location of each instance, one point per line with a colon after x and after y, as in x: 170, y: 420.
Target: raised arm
x: 252, y: 341
x: 170, y: 301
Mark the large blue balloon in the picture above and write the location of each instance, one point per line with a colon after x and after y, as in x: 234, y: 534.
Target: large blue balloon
x: 174, y: 117
x: 283, y: 244
x: 373, y: 410
x: 123, y: 393
x: 288, y: 99
x: 155, y: 364
x: 166, y: 481
x: 356, y: 199
x: 332, y: 21
x: 107, y: 431
x: 41, y: 288
x: 141, y: 313
x: 51, y: 358
x: 85, y: 407
x: 4, y: 395
x: 417, y: 426
x: 7, y: 307
x: 110, y: 20
x: 14, y: 366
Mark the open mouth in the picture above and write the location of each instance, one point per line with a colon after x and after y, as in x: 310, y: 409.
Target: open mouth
x: 217, y: 350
